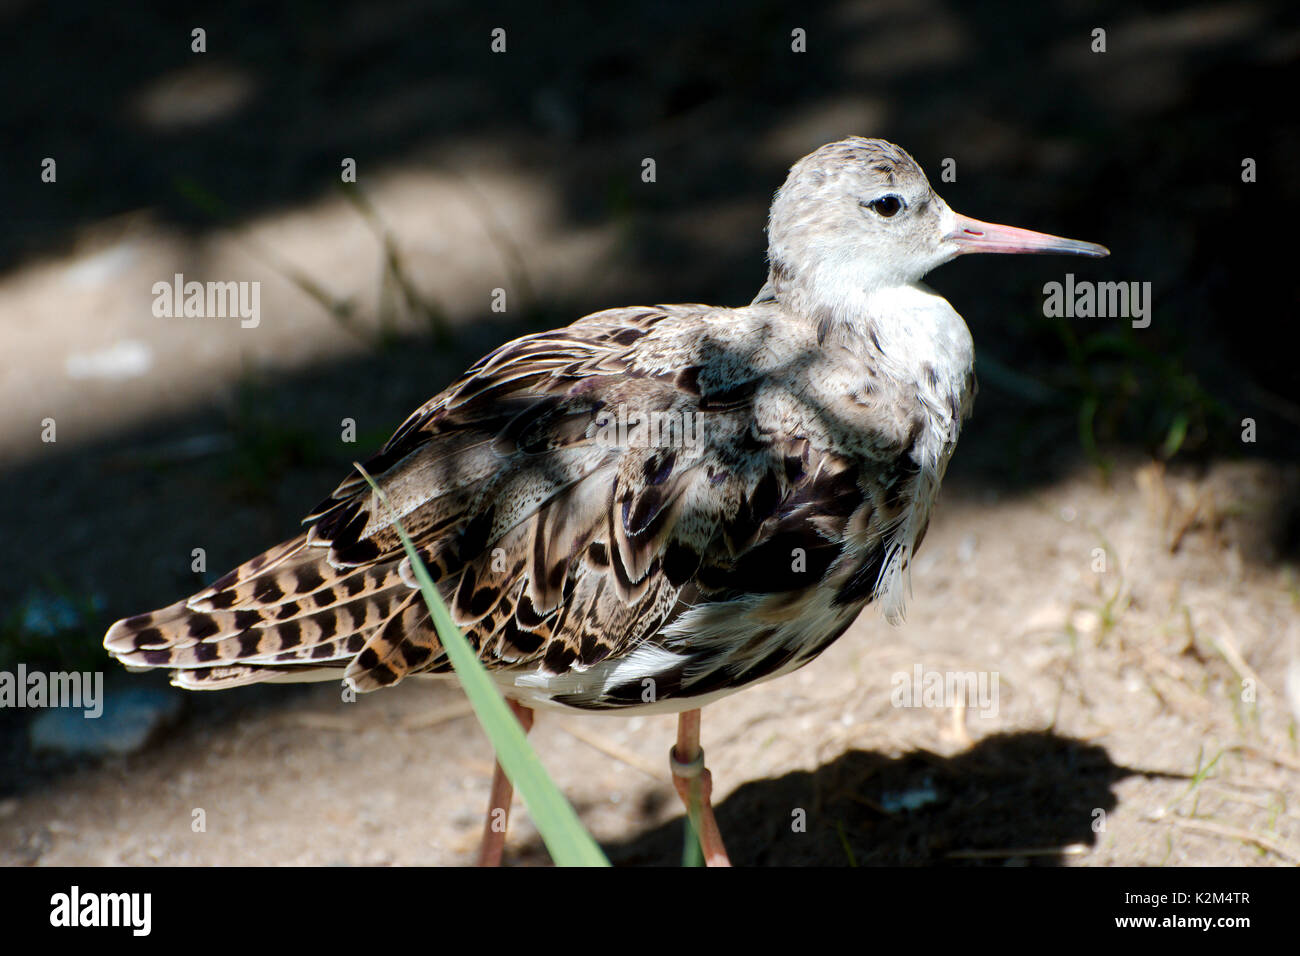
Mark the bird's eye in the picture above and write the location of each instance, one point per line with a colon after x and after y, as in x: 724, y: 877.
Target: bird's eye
x: 887, y: 206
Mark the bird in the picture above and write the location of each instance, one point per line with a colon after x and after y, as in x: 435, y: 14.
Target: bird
x: 653, y: 507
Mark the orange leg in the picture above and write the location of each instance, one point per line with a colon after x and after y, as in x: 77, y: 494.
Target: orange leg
x: 498, y: 816
x: 695, y: 786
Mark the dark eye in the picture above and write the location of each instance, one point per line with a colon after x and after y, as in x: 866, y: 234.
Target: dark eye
x: 886, y: 206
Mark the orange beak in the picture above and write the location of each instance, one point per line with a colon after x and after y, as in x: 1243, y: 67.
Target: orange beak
x: 971, y: 235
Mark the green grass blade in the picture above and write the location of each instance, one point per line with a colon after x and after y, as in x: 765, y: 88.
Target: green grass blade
x: 1177, y: 433
x: 565, y: 837
x: 692, y: 852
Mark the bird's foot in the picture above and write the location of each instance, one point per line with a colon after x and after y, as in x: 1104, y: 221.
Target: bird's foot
x: 694, y: 785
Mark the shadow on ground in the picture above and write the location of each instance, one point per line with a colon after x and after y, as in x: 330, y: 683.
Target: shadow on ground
x: 1012, y: 798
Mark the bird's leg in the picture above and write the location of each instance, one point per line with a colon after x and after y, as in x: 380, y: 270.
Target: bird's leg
x: 494, y: 829
x: 695, y: 786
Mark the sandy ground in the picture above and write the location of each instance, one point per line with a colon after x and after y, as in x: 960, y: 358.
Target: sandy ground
x: 1120, y: 734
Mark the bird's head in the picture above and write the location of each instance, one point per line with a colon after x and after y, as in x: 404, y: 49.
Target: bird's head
x: 859, y: 215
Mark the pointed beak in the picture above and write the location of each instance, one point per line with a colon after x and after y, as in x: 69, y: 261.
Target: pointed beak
x: 971, y: 235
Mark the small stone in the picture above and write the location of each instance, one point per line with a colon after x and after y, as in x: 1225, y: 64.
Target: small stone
x: 1086, y: 623
x: 130, y: 717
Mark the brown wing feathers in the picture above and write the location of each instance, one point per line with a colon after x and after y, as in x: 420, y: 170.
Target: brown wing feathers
x: 337, y: 594
x: 551, y: 548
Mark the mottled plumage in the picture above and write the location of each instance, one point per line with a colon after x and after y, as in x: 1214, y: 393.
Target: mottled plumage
x: 803, y: 440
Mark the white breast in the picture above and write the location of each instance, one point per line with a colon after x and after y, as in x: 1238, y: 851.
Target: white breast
x: 927, y: 347
x: 927, y: 344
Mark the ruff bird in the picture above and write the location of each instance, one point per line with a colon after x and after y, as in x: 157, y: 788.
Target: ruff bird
x: 653, y: 507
